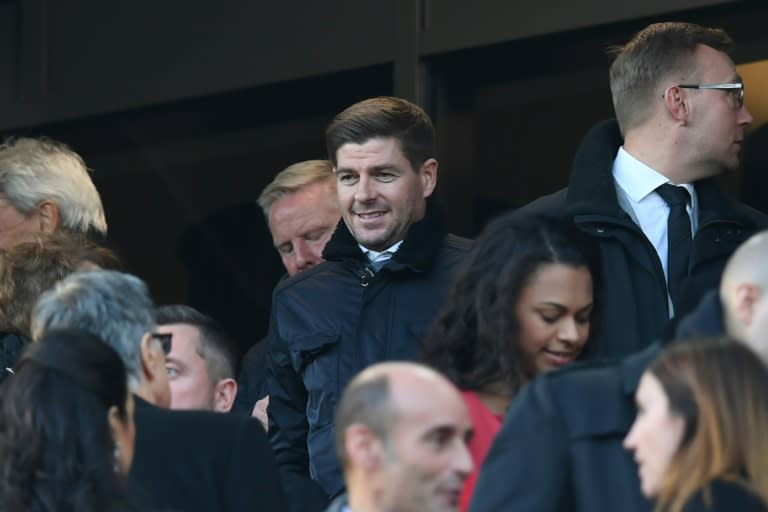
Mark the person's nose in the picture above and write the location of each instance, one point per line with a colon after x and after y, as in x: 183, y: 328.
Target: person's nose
x: 745, y: 116
x: 629, y: 441
x: 365, y: 190
x: 568, y: 331
x: 305, y: 257
x: 462, y: 460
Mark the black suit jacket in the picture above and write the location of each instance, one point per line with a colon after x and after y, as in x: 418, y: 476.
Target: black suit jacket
x: 195, y: 460
x: 560, y: 450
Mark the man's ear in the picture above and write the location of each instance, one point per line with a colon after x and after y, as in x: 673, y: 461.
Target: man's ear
x: 153, y: 386
x: 745, y: 296
x: 677, y: 102
x: 364, y: 448
x: 428, y: 174
x: 224, y: 395
x: 48, y: 213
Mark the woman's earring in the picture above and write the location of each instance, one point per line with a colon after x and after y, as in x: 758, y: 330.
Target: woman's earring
x: 116, y: 459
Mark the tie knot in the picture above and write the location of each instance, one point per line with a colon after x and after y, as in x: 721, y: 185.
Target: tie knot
x: 673, y: 195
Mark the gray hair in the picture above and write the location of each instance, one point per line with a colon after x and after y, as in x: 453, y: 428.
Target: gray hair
x: 111, y: 305
x: 32, y: 170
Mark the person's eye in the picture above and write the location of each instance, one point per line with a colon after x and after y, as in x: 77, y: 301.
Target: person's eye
x: 346, y: 179
x: 583, y: 319
x: 386, y: 177
x: 285, y: 249
x: 549, y: 318
x: 172, y: 372
x: 440, y: 440
x: 315, y: 235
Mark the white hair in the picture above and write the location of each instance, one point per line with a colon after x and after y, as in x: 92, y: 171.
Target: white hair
x: 32, y: 170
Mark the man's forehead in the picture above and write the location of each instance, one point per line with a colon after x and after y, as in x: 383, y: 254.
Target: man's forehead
x: 432, y: 415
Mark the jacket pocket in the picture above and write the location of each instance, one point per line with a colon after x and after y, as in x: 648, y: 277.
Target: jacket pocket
x: 316, y: 360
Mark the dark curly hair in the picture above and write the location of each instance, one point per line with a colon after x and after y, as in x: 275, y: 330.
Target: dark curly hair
x: 56, y: 446
x: 474, y: 340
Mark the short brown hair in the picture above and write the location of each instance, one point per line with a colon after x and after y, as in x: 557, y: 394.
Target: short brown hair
x: 718, y: 387
x: 651, y: 55
x: 293, y: 178
x: 384, y: 116
x: 367, y: 402
x: 31, y: 268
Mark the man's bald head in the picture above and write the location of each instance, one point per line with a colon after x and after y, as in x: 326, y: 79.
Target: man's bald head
x: 744, y: 293
x: 402, y: 431
x: 371, y: 398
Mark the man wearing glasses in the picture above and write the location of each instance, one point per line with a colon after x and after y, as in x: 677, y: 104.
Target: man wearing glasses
x: 679, y: 106
x: 184, y: 460
x: 643, y: 184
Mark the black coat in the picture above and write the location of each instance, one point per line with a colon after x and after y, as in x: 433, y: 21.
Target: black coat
x: 203, y: 461
x: 251, y: 384
x: 560, y: 447
x: 634, y: 293
x: 725, y: 497
x: 333, y: 320
x: 11, y: 347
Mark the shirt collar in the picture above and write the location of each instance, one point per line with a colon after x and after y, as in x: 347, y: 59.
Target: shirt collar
x: 634, y: 177
x: 383, y: 255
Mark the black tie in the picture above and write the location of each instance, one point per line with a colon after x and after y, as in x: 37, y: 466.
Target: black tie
x: 678, y: 239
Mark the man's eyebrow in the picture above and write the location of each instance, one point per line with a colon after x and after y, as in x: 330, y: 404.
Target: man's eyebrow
x: 375, y: 168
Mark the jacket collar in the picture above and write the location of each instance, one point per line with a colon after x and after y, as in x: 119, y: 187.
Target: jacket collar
x: 705, y: 320
x: 592, y: 189
x: 417, y: 252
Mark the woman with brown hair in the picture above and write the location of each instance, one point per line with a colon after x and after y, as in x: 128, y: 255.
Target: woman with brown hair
x: 29, y: 269
x: 701, y: 429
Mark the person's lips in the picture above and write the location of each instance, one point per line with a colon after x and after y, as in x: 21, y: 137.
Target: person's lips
x: 451, y: 495
x: 370, y: 215
x: 560, y: 357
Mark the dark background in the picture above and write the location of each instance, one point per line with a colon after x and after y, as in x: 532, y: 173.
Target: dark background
x: 186, y: 110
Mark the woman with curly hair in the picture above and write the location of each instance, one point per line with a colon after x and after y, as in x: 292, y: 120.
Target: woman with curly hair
x: 66, y: 428
x: 522, y: 303
x: 702, y: 423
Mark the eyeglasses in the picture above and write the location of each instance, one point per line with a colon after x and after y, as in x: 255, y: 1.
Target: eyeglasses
x: 164, y: 338
x: 736, y: 88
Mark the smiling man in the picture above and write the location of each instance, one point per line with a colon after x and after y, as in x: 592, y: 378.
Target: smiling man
x: 388, y: 265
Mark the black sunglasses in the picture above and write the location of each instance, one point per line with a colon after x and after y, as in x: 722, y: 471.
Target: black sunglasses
x: 165, y: 340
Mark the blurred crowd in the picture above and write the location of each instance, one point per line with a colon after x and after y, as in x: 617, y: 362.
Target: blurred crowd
x: 603, y: 348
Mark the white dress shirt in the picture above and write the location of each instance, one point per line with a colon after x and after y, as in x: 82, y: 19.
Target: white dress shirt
x: 378, y: 259
x: 636, y: 185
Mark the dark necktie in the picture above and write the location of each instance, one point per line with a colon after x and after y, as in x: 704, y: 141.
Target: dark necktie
x: 678, y: 239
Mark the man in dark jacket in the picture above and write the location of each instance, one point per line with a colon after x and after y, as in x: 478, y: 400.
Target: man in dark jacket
x: 388, y: 265
x: 560, y: 448
x: 643, y: 185
x: 301, y: 210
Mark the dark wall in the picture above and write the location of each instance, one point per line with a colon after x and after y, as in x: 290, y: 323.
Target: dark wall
x: 185, y: 112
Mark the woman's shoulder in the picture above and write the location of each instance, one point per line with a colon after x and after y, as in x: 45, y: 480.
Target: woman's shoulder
x: 725, y: 496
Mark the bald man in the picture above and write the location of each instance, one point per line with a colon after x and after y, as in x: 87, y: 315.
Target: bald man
x: 568, y: 426
x: 744, y: 294
x: 401, y: 435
